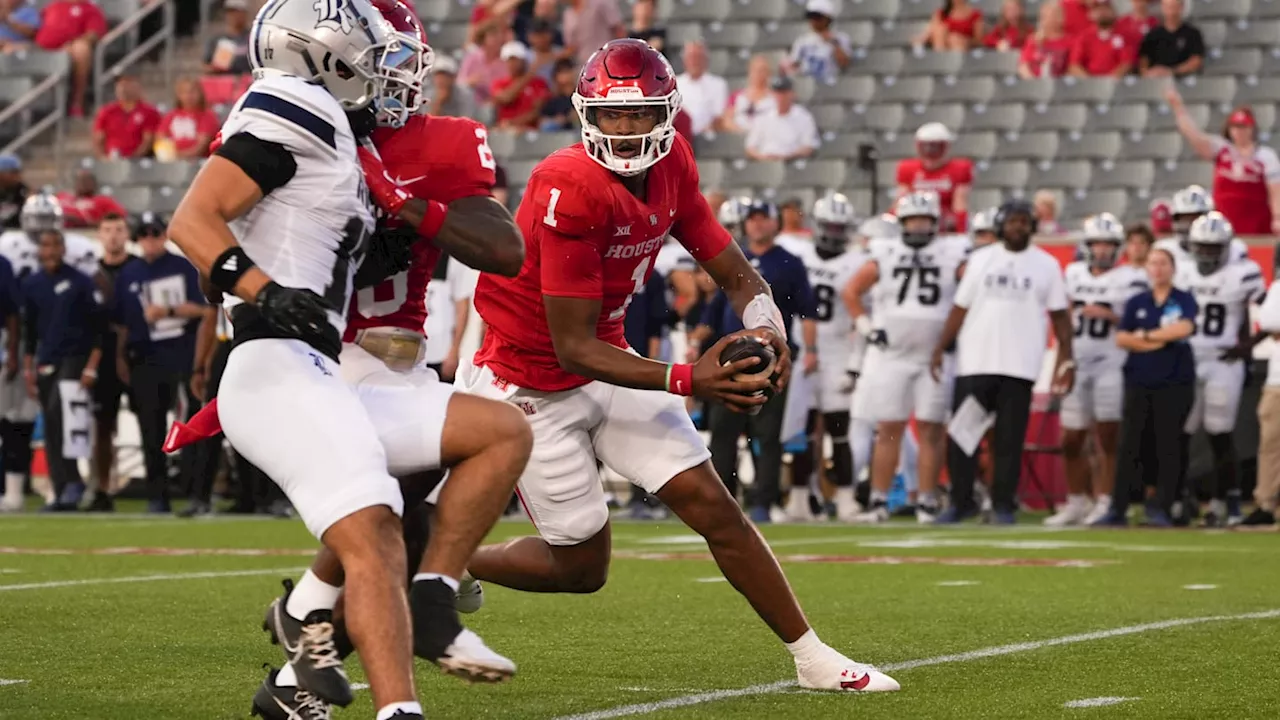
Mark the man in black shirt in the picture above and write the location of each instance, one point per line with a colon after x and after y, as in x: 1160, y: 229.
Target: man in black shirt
x: 13, y: 192
x: 62, y: 340
x: 1174, y: 48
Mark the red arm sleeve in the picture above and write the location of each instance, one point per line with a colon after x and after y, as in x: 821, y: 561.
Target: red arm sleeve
x: 696, y: 226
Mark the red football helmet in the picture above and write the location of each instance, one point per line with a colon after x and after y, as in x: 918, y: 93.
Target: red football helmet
x: 403, y: 96
x: 627, y: 74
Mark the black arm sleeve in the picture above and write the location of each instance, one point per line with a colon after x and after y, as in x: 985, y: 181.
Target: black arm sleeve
x: 268, y: 164
x: 389, y: 254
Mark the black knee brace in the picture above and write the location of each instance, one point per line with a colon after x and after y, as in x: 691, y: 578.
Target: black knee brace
x: 17, y: 446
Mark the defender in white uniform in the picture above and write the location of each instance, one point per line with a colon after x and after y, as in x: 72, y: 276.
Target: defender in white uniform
x: 1098, y: 290
x: 982, y: 228
x: 1190, y: 204
x: 913, y: 283
x: 1224, y: 291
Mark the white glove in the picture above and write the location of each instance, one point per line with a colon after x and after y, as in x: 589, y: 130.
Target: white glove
x: 864, y: 326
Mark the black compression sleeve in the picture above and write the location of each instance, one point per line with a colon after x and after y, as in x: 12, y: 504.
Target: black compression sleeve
x: 268, y: 164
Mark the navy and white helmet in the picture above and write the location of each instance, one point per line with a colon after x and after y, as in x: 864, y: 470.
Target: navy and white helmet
x: 982, y: 227
x: 921, y: 203
x: 41, y: 212
x: 733, y: 212
x: 1189, y: 204
x: 835, y: 218
x: 345, y: 45
x: 1102, y: 230
x: 1210, y: 238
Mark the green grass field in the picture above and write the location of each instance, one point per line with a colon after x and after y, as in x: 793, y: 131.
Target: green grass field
x: 101, y: 618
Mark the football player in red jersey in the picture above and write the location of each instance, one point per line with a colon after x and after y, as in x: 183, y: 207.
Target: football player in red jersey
x: 934, y: 169
x: 594, y: 217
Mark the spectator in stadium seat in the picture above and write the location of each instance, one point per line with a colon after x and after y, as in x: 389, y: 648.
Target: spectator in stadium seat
x: 642, y: 27
x: 1045, y: 53
x: 73, y: 26
x: 445, y: 98
x: 518, y: 97
x: 13, y: 192
x: 957, y: 25
x: 127, y: 127
x: 933, y: 170
x: 1174, y: 48
x: 1246, y: 175
x: 1135, y: 26
x: 822, y: 53
x: 753, y: 100
x: 705, y: 95
x: 85, y: 206
x: 545, y: 11
x: 1045, y: 203
x: 786, y: 133
x: 1076, y: 16
x: 1011, y: 29
x: 227, y: 52
x: 589, y: 24
x: 490, y: 15
x: 189, y: 126
x: 558, y: 113
x: 483, y: 64
x: 1267, y: 492
x: 1100, y: 51
x: 19, y: 22
x: 543, y: 50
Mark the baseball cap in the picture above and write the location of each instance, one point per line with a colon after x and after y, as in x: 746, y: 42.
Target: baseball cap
x: 1242, y: 116
x: 514, y: 49
x: 541, y: 25
x: 10, y: 163
x: 782, y: 83
x: 235, y: 5
x: 1161, y: 216
x: 444, y: 64
x: 761, y: 206
x: 150, y: 224
x: 826, y: 8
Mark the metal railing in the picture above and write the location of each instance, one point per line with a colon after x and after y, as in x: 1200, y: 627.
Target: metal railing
x: 206, y: 15
x: 104, y: 75
x: 22, y: 108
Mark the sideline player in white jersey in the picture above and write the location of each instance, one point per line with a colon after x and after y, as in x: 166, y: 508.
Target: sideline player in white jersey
x: 1223, y: 290
x: 1098, y: 289
x: 913, y: 282
x: 982, y: 228
x: 831, y: 266
x: 1188, y: 205
x: 278, y: 219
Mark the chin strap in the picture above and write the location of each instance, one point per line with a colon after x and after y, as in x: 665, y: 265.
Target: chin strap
x: 763, y: 312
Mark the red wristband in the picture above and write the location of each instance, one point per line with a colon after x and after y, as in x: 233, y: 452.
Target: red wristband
x: 433, y: 220
x: 680, y: 379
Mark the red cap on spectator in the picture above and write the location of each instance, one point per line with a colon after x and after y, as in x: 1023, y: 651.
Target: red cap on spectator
x: 1161, y: 216
x: 1242, y: 116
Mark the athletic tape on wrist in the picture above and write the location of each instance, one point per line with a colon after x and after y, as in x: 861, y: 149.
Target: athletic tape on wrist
x: 227, y: 270
x: 763, y: 312
x: 680, y: 379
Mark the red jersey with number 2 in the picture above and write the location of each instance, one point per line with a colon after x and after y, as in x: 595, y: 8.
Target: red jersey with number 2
x: 434, y: 158
x: 587, y: 236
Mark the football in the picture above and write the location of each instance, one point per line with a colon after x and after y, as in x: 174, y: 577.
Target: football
x: 752, y: 347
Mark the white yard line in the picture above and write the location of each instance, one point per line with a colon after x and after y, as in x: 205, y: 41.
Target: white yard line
x: 996, y: 651
x: 1098, y: 702
x: 150, y: 578
x: 4, y: 682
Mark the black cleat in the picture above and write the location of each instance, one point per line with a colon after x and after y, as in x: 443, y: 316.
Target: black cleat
x: 273, y: 702
x: 101, y: 502
x: 438, y: 636
x: 1259, y: 518
x: 308, y: 645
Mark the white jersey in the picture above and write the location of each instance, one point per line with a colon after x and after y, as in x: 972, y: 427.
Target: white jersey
x: 1182, y: 259
x: 23, y: 253
x: 914, y: 293
x: 799, y: 245
x: 1224, y: 299
x: 309, y: 233
x: 673, y: 256
x: 1095, y: 342
x: 828, y: 279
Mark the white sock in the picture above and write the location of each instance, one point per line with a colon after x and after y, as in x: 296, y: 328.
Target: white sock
x: 387, y: 712
x: 1077, y: 499
x: 806, y: 646
x: 1104, y: 500
x: 453, y: 584
x: 13, y: 486
x: 311, y: 593
x: 287, y: 677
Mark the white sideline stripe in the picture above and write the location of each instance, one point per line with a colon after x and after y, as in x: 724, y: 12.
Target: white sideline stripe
x: 996, y: 651
x: 149, y: 578
x: 1098, y: 702
x: 4, y: 682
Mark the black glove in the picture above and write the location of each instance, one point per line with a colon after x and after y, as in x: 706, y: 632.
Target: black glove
x: 878, y: 338
x: 390, y: 253
x: 297, y: 313
x: 1237, y: 352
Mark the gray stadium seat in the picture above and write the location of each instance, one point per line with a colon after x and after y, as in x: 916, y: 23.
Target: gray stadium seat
x: 878, y: 118
x: 112, y: 172
x: 699, y: 10
x: 1215, y: 91
x: 1002, y: 118
x: 860, y: 199
x: 829, y: 117
x: 896, y: 33
x: 37, y: 63
x: 1003, y: 174
x: 991, y: 62
x: 1145, y: 90
x: 1084, y: 90
x: 1154, y: 146
x: 165, y: 200
x: 887, y: 173
x: 847, y: 89
x: 1265, y: 113
x: 879, y: 62
x: 1186, y: 172
x: 441, y: 10
x: 1256, y: 33
x: 1126, y: 118
x: 12, y: 88
x: 1214, y: 33
x: 968, y: 90
x: 541, y: 144
x: 917, y: 9
x: 803, y: 87
x: 780, y: 36
x: 869, y: 10
x: 736, y: 35
x: 1256, y: 91
x: 1062, y: 117
x: 844, y: 146
x: 905, y: 90
x: 982, y: 198
x: 1039, y: 90
x: 503, y: 144
x: 721, y: 62
x: 1230, y: 9
x: 1133, y: 174
x: 518, y: 171
x: 949, y: 114
x: 932, y: 63
x: 680, y: 34
x: 117, y: 10
x: 897, y: 147
x: 135, y: 199
x: 723, y: 146
x: 711, y: 173
x: 1070, y: 174
x: 759, y: 9
x: 1028, y: 146
x: 452, y: 35
x: 860, y: 32
x: 1162, y: 119
x: 1091, y: 146
x: 1266, y: 9
x: 156, y: 174
x: 816, y: 173
x: 976, y: 145
x: 1097, y: 201
x: 1242, y: 61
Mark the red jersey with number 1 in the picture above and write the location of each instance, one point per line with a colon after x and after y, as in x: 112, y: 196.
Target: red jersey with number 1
x: 587, y: 236
x: 434, y: 158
